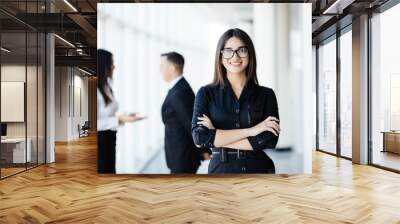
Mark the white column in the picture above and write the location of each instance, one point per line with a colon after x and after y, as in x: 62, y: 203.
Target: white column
x: 264, y: 38
x: 360, y: 90
x: 50, y: 99
x: 63, y: 104
x: 50, y: 92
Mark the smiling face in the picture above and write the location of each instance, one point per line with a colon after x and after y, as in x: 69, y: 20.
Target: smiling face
x: 238, y: 63
x: 235, y: 55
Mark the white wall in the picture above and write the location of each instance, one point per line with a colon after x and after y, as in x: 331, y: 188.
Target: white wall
x: 70, y: 84
x: 12, y: 73
x: 283, y: 47
x: 61, y: 106
x: 33, y: 126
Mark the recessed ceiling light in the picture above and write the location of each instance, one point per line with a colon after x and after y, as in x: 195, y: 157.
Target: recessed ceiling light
x: 64, y: 40
x: 70, y: 5
x: 337, y: 7
x: 5, y: 50
x: 86, y: 72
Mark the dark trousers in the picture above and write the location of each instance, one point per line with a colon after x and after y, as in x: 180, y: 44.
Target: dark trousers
x: 256, y: 162
x: 184, y: 170
x: 106, y: 151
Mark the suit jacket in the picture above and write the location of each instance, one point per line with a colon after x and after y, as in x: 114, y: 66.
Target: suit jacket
x: 181, y: 154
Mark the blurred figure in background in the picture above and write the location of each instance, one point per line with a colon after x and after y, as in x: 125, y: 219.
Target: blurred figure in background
x: 181, y: 154
x: 107, y: 120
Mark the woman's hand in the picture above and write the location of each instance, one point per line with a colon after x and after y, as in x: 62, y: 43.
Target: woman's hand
x: 122, y: 119
x: 205, y: 121
x: 270, y: 124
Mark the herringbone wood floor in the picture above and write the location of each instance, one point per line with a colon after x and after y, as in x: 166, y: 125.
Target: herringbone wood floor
x: 70, y: 191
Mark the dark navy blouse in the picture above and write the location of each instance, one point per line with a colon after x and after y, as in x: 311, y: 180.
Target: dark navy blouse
x: 226, y: 112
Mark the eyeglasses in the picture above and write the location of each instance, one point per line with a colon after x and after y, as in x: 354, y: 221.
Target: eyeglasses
x: 241, y: 52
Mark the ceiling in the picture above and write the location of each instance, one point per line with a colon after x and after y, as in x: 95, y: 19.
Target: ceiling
x: 332, y: 15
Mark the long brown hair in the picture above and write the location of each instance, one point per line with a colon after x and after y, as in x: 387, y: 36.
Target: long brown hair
x: 220, y: 70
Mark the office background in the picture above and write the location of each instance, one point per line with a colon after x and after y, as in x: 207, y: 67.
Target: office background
x: 22, y: 77
x: 138, y: 33
x: 363, y: 34
x: 335, y: 81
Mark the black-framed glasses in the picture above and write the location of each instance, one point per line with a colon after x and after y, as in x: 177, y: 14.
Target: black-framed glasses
x: 241, y: 52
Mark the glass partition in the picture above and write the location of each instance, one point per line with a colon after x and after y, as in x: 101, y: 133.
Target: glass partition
x: 13, y: 110
x: 22, y: 88
x: 31, y: 99
x: 327, y: 97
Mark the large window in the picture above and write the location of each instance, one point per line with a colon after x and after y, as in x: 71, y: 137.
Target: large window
x: 327, y: 97
x: 345, y: 94
x: 335, y: 74
x: 385, y: 89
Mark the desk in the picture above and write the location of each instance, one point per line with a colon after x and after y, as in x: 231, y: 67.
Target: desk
x: 391, y: 141
x: 13, y: 150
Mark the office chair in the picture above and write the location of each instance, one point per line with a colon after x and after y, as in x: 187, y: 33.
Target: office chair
x: 84, y: 130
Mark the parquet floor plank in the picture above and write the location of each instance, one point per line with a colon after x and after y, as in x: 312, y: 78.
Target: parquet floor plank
x: 70, y: 191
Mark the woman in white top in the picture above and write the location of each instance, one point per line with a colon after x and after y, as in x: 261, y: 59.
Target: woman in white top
x: 107, y: 120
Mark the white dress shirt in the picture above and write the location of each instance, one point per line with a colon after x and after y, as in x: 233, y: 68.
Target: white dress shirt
x: 174, y: 81
x: 106, y: 114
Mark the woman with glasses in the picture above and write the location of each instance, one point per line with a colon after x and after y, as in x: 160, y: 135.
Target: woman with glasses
x: 235, y: 116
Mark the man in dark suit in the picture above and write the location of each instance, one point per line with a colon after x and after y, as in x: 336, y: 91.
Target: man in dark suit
x: 181, y: 154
